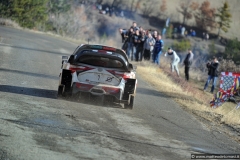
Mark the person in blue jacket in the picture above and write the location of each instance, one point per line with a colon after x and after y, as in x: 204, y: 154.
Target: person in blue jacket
x: 157, y: 50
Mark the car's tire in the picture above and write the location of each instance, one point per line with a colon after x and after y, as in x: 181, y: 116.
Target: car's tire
x: 60, y: 91
x: 131, y: 104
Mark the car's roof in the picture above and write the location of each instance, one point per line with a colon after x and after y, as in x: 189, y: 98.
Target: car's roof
x: 103, y: 47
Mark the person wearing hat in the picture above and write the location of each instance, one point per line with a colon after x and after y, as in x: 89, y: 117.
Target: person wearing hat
x: 175, y: 59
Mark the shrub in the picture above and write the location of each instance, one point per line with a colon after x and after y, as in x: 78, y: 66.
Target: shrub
x: 212, y: 48
x: 232, y: 50
x: 226, y: 65
x: 182, y: 45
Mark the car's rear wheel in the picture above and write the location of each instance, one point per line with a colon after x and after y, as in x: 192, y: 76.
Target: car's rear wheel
x: 131, y: 104
x: 60, y: 91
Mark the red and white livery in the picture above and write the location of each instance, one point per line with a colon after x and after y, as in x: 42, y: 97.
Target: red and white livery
x: 100, y: 71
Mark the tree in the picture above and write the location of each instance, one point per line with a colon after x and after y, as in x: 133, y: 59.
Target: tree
x: 205, y: 18
x: 138, y: 5
x: 187, y: 9
x: 232, y: 50
x: 56, y: 11
x: 27, y: 13
x: 163, y: 6
x: 148, y: 8
x: 224, y: 18
x: 58, y: 6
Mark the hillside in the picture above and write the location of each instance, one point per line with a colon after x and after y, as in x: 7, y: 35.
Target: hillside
x: 172, y: 7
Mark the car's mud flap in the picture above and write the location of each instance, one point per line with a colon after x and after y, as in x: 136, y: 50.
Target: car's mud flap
x: 66, y: 80
x: 129, y: 89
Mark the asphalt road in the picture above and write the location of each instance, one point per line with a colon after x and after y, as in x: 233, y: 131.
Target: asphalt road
x: 34, y: 124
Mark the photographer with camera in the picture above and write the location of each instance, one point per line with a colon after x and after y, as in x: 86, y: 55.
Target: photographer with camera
x: 212, y: 73
x: 129, y: 40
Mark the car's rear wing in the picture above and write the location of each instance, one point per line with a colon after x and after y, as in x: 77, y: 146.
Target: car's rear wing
x: 101, y: 47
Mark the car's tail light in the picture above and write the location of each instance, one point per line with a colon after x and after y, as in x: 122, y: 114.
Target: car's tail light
x: 111, y: 90
x: 79, y: 69
x: 125, y: 75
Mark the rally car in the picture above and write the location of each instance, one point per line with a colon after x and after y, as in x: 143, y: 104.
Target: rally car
x: 101, y: 71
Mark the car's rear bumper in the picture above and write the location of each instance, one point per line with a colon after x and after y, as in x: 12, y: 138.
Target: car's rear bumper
x: 98, y: 90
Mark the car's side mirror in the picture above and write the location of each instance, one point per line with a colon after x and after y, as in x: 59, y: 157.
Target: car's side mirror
x: 64, y: 59
x: 71, y: 59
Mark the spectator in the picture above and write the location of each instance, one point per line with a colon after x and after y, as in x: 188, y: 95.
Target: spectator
x: 122, y: 14
x: 207, y: 36
x: 194, y: 33
x: 190, y: 32
x: 164, y: 31
x: 134, y: 27
x: 167, y: 22
x: 149, y: 42
x: 110, y: 12
x: 155, y: 34
x: 141, y: 45
x: 175, y: 30
x: 203, y: 36
x: 130, y: 43
x: 187, y: 63
x: 124, y: 33
x: 212, y: 73
x: 186, y: 33
x: 136, y: 44
x: 100, y: 7
x: 107, y: 10
x: 182, y: 31
x: 175, y: 59
x: 157, y: 50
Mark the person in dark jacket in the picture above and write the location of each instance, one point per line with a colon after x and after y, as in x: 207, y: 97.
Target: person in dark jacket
x: 141, y: 45
x: 187, y: 63
x: 212, y: 73
x: 136, y: 44
x: 130, y: 43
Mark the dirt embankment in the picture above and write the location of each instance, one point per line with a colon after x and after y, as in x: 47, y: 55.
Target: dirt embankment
x: 172, y: 11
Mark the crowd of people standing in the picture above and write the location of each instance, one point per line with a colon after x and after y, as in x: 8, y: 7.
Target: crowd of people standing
x: 142, y: 44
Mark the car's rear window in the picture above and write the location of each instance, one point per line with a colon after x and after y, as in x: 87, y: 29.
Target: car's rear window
x: 100, y: 61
